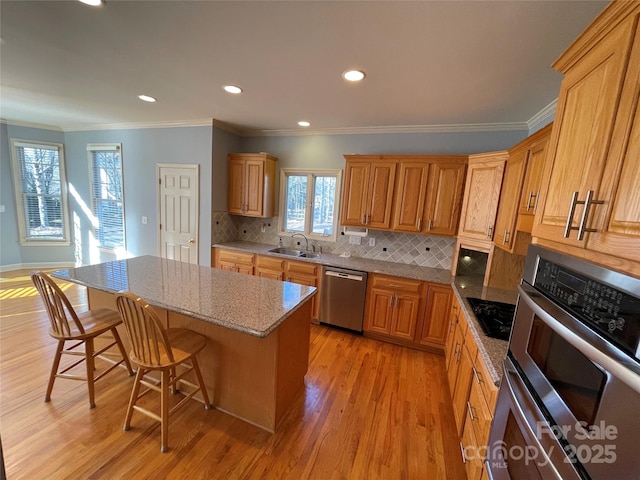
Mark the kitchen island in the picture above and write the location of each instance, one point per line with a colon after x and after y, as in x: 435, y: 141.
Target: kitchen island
x: 258, y: 329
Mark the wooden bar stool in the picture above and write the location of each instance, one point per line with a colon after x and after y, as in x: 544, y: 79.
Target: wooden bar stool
x: 154, y: 348
x: 82, y: 328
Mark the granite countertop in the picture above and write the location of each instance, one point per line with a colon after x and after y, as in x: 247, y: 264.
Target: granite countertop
x: 427, y: 274
x: 245, y: 303
x: 492, y: 350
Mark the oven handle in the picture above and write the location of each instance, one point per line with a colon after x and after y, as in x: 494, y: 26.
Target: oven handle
x: 510, y: 375
x: 605, y: 356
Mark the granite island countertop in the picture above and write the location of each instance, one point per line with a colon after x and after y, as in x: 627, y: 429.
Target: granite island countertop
x: 492, y: 350
x: 248, y: 304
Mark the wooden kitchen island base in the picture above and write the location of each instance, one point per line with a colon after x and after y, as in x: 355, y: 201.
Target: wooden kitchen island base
x: 252, y: 378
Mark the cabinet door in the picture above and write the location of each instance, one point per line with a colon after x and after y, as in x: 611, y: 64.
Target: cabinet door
x: 354, y: 193
x: 246, y: 269
x: 533, y: 177
x: 226, y: 266
x: 379, y: 311
x: 454, y: 362
x: 405, y: 316
x: 266, y: 273
x: 380, y: 194
x: 462, y: 388
x: 473, y: 461
x: 444, y: 198
x: 311, y: 281
x: 437, y: 315
x: 254, y: 185
x: 481, y: 194
x: 618, y: 222
x: 587, y: 105
x: 454, y: 317
x: 410, y: 196
x: 509, y: 200
x: 236, y: 186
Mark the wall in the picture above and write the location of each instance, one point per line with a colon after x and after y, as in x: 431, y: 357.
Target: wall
x: 12, y: 254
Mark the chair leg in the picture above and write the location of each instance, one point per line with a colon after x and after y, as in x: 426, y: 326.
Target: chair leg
x: 54, y: 370
x: 134, y: 397
x: 90, y: 361
x: 203, y: 388
x: 174, y: 389
x: 125, y: 357
x: 164, y: 408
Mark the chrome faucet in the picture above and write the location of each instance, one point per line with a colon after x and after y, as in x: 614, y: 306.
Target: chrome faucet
x: 306, y: 249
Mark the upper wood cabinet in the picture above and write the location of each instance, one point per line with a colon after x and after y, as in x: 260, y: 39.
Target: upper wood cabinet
x: 481, y: 195
x: 252, y: 184
x: 368, y: 191
x: 520, y: 192
x: 536, y: 148
x: 589, y: 203
x: 428, y: 194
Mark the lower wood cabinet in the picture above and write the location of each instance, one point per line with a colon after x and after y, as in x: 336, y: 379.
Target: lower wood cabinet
x: 473, y: 393
x: 233, y: 261
x: 407, y: 311
x: 304, y: 273
x: 269, y: 267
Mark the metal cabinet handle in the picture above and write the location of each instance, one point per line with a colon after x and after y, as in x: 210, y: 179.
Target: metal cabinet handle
x: 430, y: 225
x: 535, y: 205
x: 587, y: 202
x: 505, y: 237
x: 490, y: 232
x: 529, y: 201
x: 478, y: 376
x: 419, y: 224
x: 470, y: 410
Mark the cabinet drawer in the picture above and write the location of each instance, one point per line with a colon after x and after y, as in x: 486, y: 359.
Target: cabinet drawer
x: 403, y: 285
x: 272, y: 263
x: 478, y: 414
x: 302, y: 267
x: 483, y: 379
x: 236, y: 257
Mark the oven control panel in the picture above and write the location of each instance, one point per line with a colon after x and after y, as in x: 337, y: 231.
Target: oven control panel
x: 613, y: 313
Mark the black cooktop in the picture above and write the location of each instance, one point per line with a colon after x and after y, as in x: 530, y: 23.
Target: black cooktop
x: 495, y: 318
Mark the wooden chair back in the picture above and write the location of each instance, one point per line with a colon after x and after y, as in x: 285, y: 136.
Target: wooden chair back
x: 63, y: 318
x: 149, y: 342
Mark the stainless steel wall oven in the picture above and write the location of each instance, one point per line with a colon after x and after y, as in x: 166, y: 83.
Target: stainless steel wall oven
x: 569, y: 401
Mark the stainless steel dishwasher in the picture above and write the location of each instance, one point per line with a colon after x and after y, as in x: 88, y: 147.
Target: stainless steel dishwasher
x: 343, y: 296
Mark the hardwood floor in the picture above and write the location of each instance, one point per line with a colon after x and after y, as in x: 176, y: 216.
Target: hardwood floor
x: 370, y: 410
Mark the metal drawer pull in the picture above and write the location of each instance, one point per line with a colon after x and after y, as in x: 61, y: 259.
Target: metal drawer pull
x: 535, y: 205
x: 430, y: 225
x: 505, y: 237
x: 419, y: 224
x: 478, y: 376
x: 587, y: 202
x: 531, y: 195
x: 490, y: 232
x: 470, y: 410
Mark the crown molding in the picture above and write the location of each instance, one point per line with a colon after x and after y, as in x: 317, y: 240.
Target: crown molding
x: 41, y: 126
x: 543, y: 116
x: 225, y: 126
x: 205, y: 122
x: 452, y: 128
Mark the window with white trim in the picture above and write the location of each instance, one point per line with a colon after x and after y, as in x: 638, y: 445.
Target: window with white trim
x: 309, y: 202
x: 107, y: 194
x: 41, y: 192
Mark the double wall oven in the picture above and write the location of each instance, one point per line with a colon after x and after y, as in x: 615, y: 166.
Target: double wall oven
x: 569, y: 401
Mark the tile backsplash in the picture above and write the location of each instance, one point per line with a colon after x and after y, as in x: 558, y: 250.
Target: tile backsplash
x: 422, y: 250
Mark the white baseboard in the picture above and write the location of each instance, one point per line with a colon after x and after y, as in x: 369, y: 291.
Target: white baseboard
x: 36, y: 266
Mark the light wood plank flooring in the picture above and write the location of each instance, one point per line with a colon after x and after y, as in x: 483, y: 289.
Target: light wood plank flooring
x: 369, y: 410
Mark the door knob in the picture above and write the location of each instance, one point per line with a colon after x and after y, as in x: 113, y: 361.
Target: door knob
x: 191, y: 240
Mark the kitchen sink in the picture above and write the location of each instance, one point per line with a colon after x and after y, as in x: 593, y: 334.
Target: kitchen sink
x: 293, y: 252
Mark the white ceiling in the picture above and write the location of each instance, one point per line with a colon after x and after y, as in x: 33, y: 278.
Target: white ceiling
x: 444, y: 64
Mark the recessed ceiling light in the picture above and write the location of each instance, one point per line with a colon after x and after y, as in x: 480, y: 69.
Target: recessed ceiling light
x: 146, y: 98
x: 353, y: 75
x: 93, y: 3
x: 304, y: 124
x: 232, y: 89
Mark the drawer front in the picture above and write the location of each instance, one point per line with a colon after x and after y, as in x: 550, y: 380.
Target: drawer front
x: 236, y: 257
x: 483, y: 379
x: 470, y: 342
x: 402, y: 285
x: 272, y: 263
x: 478, y: 414
x: 302, y: 267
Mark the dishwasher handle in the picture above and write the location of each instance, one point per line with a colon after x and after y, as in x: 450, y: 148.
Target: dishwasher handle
x: 346, y: 276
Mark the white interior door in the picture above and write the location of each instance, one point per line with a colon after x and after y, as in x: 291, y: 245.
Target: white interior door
x: 178, y: 211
